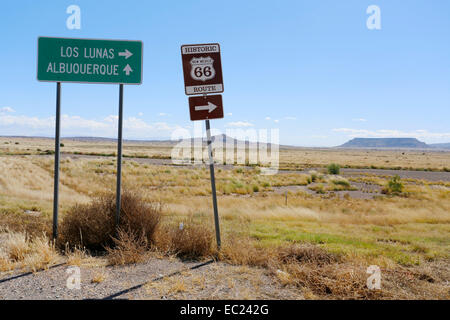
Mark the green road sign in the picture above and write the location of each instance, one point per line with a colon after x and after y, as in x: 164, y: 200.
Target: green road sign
x: 89, y: 60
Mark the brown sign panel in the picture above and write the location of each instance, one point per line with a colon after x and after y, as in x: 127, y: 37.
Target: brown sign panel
x: 206, y: 107
x: 202, y: 68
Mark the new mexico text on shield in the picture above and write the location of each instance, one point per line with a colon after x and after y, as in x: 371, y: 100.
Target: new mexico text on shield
x: 89, y: 60
x: 202, y: 68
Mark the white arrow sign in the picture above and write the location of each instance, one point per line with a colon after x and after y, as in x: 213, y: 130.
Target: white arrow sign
x: 210, y: 107
x: 127, y: 69
x: 125, y: 54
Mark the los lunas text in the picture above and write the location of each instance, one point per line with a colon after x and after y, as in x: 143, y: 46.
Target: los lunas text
x: 88, y: 53
x: 85, y: 68
x: 228, y: 309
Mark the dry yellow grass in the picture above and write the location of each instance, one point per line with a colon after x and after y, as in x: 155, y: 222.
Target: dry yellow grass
x: 129, y: 248
x: 76, y: 256
x: 18, y: 251
x: 99, y: 276
x: 410, y: 231
x: 35, y: 146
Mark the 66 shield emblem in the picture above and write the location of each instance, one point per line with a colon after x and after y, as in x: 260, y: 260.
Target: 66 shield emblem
x: 202, y: 68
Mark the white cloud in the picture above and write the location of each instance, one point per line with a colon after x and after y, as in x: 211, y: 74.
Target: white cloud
x: 163, y: 114
x: 78, y: 126
x: 359, y: 120
x: 276, y: 121
x: 111, y: 118
x: 140, y: 114
x: 7, y: 110
x: 229, y: 114
x: 239, y: 124
x: 388, y: 133
x: 268, y: 118
x: 29, y: 122
x: 163, y: 126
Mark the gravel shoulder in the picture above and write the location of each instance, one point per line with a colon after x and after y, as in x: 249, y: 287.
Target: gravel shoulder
x: 212, y: 281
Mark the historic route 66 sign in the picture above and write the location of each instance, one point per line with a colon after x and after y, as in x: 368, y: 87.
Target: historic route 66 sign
x: 202, y: 68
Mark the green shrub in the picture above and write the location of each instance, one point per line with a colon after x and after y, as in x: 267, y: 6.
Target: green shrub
x: 333, y: 168
x: 237, y: 184
x: 341, y: 182
x: 394, y: 186
x: 319, y: 188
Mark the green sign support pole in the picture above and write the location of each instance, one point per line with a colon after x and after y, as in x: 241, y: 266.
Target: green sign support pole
x: 119, y: 157
x: 57, y: 151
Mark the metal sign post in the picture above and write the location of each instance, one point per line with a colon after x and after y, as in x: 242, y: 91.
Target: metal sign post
x: 213, y: 183
x: 57, y: 151
x: 119, y: 157
x: 202, y: 69
x: 88, y: 61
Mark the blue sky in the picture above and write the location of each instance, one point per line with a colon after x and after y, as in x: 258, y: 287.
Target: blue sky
x: 311, y: 69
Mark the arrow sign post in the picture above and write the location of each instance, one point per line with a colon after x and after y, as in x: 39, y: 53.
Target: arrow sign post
x: 202, y: 69
x: 88, y: 61
x: 213, y: 183
x: 210, y: 107
x: 206, y: 107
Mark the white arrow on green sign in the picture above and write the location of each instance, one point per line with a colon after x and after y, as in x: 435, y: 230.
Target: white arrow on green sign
x: 89, y: 60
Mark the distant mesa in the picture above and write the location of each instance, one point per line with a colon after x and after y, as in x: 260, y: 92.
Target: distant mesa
x: 440, y: 145
x: 400, y: 143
